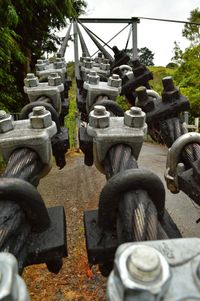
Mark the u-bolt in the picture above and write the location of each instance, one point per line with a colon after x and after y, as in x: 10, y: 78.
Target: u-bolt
x: 173, y: 156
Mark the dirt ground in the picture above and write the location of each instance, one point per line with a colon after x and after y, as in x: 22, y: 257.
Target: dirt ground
x: 77, y: 188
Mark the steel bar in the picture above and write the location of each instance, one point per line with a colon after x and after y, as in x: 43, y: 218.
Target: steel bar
x: 114, y: 37
x: 65, y: 41
x: 85, y: 51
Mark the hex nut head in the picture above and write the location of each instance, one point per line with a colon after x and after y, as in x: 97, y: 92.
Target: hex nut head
x: 40, y: 118
x: 58, y: 64
x: 104, y: 66
x: 114, y: 81
x: 31, y: 80
x: 99, y: 117
x: 54, y: 79
x: 41, y: 65
x: 134, y: 117
x: 88, y: 63
x: 144, y: 266
x: 93, y: 78
x: 6, y: 124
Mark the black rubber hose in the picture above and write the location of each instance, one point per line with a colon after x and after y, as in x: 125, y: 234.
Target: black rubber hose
x: 14, y: 224
x: 29, y: 107
x: 173, y: 128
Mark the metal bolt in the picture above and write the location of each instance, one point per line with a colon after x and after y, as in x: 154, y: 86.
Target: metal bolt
x: 104, y: 66
x: 31, y: 80
x: 37, y: 111
x: 30, y: 75
x: 99, y: 110
x: 105, y: 61
x: 12, y: 287
x: 168, y: 83
x: 93, y: 78
x: 40, y: 61
x: 5, y: 122
x: 99, y: 117
x: 135, y: 111
x: 144, y: 264
x: 88, y: 63
x: 142, y: 94
x: 41, y: 65
x: 58, y: 64
x: 115, y: 76
x: 114, y: 81
x: 40, y: 118
x: 3, y: 114
x: 134, y: 117
x: 54, y: 79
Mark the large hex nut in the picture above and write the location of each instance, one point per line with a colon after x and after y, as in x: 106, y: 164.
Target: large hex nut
x: 99, y: 117
x: 134, y: 117
x: 58, y: 64
x: 114, y: 81
x: 140, y: 270
x: 31, y: 80
x: 40, y: 118
x: 104, y: 66
x: 54, y: 79
x: 88, y: 63
x: 93, y: 78
x: 5, y: 122
x: 41, y: 65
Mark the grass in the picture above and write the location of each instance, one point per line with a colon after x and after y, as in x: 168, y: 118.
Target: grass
x: 72, y: 118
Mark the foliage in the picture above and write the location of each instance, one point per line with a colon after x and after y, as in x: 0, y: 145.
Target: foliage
x: 9, y: 50
x: 172, y: 65
x: 70, y: 120
x: 146, y: 56
x: 187, y: 77
x: 27, y: 30
x: 178, y: 54
x: 192, y: 31
x: 71, y: 70
x: 122, y: 103
x: 158, y: 74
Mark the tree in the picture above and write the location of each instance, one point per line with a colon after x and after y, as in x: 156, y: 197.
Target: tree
x: 38, y: 21
x: 33, y: 28
x: 192, y: 31
x: 187, y: 75
x: 178, y: 54
x: 146, y: 56
x: 9, y: 50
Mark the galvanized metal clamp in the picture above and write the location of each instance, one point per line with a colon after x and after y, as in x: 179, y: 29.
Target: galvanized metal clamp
x: 12, y: 286
x: 173, y: 166
x: 51, y: 89
x: 156, y: 270
x: 34, y: 133
x: 107, y: 131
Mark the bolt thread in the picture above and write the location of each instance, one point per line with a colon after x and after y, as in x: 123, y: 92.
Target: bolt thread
x: 37, y: 111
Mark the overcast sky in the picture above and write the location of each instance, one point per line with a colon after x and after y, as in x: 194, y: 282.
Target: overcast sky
x: 159, y: 37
